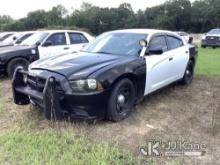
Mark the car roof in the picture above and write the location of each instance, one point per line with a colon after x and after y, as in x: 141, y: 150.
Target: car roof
x: 57, y: 31
x: 146, y: 31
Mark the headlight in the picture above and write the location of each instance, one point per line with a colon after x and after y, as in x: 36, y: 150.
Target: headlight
x: 84, y: 86
x: 203, y: 37
x: 33, y: 51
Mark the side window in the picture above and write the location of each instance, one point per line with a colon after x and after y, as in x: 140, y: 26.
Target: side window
x: 77, y: 38
x: 174, y: 42
x: 57, y: 39
x: 158, y: 42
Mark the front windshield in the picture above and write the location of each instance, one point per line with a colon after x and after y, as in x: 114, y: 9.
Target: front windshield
x: 116, y: 43
x: 37, y: 37
x: 214, y: 31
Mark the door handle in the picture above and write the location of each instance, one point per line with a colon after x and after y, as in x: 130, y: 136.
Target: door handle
x: 66, y: 48
x: 171, y: 58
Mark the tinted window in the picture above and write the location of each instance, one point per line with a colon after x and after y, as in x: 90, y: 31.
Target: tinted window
x: 76, y: 38
x: 57, y: 39
x: 158, y: 42
x: 174, y: 42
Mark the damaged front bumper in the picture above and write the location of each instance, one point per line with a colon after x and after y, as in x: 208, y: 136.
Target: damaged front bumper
x: 57, y: 103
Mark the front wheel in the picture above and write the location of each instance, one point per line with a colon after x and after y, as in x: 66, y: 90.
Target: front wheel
x: 121, y: 100
x: 189, y: 73
x: 13, y: 64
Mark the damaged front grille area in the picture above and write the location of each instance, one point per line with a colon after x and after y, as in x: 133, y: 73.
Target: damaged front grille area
x: 38, y: 83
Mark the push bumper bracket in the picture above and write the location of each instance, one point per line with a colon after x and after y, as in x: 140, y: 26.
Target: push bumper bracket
x: 50, y: 98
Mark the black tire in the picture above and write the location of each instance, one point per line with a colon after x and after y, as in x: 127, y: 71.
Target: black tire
x: 121, y: 100
x: 189, y: 73
x: 203, y: 46
x: 52, y: 109
x: 13, y: 64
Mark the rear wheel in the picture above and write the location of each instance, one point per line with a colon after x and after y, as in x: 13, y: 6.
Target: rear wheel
x: 13, y: 64
x: 121, y: 100
x: 189, y: 73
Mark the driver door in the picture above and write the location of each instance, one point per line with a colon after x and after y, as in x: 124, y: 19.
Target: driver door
x: 54, y: 45
x: 159, y: 66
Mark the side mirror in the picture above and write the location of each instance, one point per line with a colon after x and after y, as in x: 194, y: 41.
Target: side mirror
x: 38, y: 43
x: 190, y: 40
x: 143, y: 43
x: 48, y: 43
x: 155, y: 51
x: 14, y: 38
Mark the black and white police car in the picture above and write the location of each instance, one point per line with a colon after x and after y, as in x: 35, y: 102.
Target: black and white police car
x: 108, y: 76
x: 42, y: 44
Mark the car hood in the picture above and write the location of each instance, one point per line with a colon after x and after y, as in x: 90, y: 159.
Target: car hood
x: 77, y: 65
x: 5, y: 51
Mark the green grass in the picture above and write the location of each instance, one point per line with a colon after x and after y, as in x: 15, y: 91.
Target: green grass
x: 53, y: 147
x: 208, y: 62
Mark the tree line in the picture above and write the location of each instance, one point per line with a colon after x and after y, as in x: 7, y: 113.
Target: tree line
x: 199, y: 16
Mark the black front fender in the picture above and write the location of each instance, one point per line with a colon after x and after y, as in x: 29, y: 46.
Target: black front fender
x: 134, y: 69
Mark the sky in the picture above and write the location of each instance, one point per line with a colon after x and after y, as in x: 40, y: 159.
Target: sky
x: 19, y: 8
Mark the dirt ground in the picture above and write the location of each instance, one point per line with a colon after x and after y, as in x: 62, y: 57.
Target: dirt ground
x: 175, y: 113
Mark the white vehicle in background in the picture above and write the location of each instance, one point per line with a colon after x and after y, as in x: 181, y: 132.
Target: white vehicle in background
x: 5, y: 35
x: 16, y: 38
x: 42, y: 44
x: 211, y: 39
x: 59, y: 42
x: 185, y: 36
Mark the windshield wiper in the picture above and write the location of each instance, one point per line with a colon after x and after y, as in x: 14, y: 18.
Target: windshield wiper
x: 103, y: 52
x: 23, y: 44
